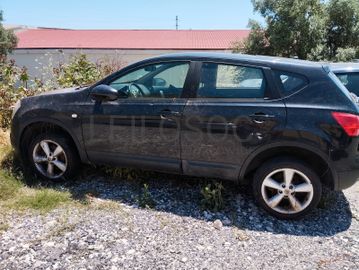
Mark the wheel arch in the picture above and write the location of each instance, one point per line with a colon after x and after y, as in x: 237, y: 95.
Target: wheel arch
x: 319, y: 161
x: 44, y: 125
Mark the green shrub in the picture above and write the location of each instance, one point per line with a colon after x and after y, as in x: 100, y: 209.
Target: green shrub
x: 145, y: 199
x: 345, y: 54
x: 212, y: 197
x: 15, y: 83
x: 13, y: 86
x: 78, y: 72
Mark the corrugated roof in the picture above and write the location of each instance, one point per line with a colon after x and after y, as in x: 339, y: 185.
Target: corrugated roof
x: 129, y: 39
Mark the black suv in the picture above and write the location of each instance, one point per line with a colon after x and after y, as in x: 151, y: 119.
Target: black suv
x: 286, y: 126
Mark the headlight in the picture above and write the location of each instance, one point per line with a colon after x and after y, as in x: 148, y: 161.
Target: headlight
x: 15, y: 108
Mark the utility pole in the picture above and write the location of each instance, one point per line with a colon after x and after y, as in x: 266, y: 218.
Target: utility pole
x: 176, y: 22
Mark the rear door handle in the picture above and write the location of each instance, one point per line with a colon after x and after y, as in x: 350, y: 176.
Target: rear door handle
x: 168, y: 113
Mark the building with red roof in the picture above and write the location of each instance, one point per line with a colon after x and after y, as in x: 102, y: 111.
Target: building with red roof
x: 41, y: 47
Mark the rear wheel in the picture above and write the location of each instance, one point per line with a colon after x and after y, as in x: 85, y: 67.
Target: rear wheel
x: 52, y: 157
x: 287, y: 189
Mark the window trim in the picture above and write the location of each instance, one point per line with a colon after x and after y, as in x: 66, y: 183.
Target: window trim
x: 280, y: 84
x: 270, y: 93
x: 188, y: 85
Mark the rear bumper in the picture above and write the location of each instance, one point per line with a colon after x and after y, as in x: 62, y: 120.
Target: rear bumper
x: 347, y: 179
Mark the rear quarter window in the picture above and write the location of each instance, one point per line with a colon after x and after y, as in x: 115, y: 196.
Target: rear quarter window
x: 290, y: 82
x: 350, y: 81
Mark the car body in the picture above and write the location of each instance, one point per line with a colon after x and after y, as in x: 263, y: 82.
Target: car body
x: 227, y: 116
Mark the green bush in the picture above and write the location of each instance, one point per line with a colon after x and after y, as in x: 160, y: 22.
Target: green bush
x: 15, y: 83
x: 79, y: 71
x: 13, y: 86
x: 345, y: 54
x: 145, y: 199
x: 212, y: 197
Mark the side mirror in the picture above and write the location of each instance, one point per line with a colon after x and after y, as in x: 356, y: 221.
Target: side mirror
x: 158, y: 82
x: 104, y: 92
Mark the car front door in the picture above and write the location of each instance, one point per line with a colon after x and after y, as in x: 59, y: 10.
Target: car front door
x: 142, y: 129
x: 233, y: 113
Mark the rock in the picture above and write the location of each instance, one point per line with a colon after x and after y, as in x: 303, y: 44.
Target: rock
x: 207, y: 215
x: 226, y: 222
x: 217, y: 224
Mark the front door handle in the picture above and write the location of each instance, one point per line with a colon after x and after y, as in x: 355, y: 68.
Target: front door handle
x: 260, y: 117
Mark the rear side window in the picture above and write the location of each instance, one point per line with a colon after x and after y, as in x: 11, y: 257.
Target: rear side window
x: 231, y: 81
x: 291, y: 82
x: 350, y: 81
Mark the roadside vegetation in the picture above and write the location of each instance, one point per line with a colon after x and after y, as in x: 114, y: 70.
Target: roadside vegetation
x: 313, y: 30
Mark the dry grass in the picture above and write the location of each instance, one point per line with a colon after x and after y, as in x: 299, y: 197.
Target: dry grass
x: 3, y: 227
x: 4, y: 138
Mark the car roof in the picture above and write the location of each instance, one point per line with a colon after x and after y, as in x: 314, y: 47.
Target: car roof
x: 270, y: 61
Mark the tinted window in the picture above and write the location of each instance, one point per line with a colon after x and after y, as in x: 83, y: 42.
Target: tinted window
x: 291, y: 82
x: 161, y: 80
x: 350, y: 81
x: 231, y: 81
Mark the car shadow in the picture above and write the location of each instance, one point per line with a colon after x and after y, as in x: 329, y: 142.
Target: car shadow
x: 181, y: 195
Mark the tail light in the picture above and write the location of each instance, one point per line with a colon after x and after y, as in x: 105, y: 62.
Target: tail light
x: 349, y: 122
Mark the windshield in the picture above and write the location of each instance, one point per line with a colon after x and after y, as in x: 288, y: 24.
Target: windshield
x: 350, y: 80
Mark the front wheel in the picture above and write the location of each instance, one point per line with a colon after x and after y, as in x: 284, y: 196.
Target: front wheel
x: 286, y: 188
x: 52, y: 157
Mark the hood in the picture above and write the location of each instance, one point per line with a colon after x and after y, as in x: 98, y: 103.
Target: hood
x: 58, y: 91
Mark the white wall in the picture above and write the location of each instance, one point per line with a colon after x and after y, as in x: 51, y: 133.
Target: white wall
x: 40, y: 61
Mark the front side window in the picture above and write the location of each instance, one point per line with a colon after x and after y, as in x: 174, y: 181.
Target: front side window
x: 350, y: 81
x: 231, y: 81
x: 164, y: 80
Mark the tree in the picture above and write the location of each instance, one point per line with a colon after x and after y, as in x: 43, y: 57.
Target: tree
x: 343, y: 28
x: 294, y: 27
x: 8, y: 40
x: 256, y: 43
x: 306, y: 29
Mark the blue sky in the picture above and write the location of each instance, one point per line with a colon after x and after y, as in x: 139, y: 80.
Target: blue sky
x: 129, y: 14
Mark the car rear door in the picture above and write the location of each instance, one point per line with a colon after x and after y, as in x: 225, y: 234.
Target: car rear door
x: 143, y: 129
x: 235, y: 111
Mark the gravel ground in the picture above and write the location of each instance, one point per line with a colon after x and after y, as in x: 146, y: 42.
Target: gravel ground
x: 112, y: 232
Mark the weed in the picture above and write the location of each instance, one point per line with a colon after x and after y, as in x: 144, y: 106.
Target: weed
x: 240, y: 235
x: 212, y: 197
x: 43, y: 200
x: 9, y: 186
x: 62, y: 228
x: 145, y: 199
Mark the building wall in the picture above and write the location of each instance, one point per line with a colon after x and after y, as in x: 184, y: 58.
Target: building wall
x: 40, y: 61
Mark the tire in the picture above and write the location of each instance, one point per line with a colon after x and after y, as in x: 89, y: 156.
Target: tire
x: 282, y: 198
x: 61, y: 157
